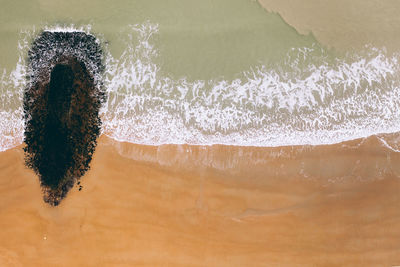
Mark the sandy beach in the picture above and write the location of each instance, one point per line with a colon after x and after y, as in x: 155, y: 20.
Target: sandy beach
x: 180, y: 205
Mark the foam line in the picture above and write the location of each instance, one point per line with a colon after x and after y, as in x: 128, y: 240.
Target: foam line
x: 308, y: 99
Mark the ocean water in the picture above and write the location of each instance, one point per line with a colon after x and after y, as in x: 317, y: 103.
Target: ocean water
x: 206, y: 80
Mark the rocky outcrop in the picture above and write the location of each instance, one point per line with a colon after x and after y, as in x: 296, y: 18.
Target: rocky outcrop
x: 61, y: 109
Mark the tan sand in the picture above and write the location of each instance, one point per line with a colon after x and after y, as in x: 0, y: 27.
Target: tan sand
x: 179, y: 205
x: 343, y: 24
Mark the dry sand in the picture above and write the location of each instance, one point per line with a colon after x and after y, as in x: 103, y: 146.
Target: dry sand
x: 343, y: 24
x: 179, y: 205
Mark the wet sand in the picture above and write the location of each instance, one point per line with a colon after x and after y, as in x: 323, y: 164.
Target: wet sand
x: 343, y: 24
x: 180, y: 205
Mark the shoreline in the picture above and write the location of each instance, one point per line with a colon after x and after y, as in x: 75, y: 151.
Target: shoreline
x: 381, y: 136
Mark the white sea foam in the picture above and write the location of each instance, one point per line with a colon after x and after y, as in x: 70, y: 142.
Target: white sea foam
x: 308, y: 99
x: 68, y: 28
x: 11, y: 93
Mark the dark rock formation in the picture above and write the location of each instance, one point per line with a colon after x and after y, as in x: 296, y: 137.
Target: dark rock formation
x: 61, y: 109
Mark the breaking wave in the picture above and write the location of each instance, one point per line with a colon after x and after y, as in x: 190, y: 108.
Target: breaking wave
x: 309, y: 98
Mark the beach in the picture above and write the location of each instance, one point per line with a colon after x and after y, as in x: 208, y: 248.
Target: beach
x: 233, y: 133
x: 180, y: 205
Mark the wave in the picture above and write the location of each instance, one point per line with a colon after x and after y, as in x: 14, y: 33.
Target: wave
x: 310, y: 98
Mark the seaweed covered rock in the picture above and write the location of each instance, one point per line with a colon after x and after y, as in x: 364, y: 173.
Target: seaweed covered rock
x: 61, y: 109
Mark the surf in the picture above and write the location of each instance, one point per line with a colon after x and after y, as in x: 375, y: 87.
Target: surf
x: 306, y: 99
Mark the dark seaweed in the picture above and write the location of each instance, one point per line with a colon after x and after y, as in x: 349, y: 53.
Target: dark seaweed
x: 61, y: 109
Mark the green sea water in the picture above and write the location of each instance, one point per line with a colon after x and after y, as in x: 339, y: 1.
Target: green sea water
x: 197, y: 39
